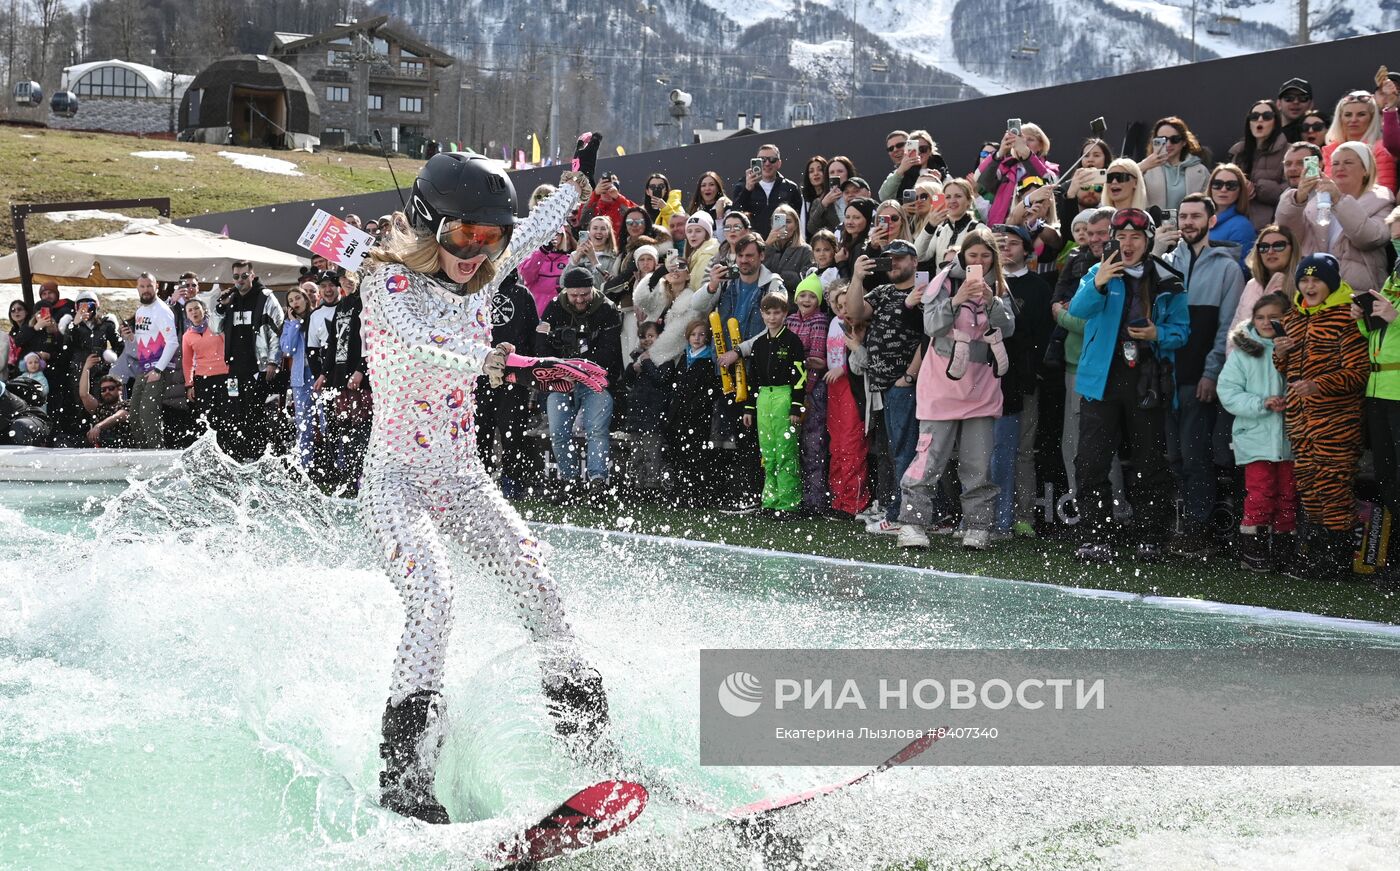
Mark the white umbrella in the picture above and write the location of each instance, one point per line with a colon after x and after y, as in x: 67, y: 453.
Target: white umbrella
x: 163, y: 250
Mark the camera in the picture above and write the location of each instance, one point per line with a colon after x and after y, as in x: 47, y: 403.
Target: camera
x: 731, y: 271
x: 884, y: 263
x: 681, y: 98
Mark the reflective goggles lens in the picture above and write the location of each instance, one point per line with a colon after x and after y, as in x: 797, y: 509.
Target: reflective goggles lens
x: 1134, y: 219
x: 465, y: 241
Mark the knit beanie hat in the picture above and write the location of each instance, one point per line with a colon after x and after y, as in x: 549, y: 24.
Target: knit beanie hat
x: 704, y: 220
x: 1323, y: 267
x: 645, y: 249
x: 865, y: 205
x: 577, y: 276
x: 810, y: 284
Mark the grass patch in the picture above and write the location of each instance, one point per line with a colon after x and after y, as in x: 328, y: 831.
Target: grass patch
x: 47, y: 166
x: 1048, y: 560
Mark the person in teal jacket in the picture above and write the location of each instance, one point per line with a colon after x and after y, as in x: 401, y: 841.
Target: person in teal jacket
x: 1252, y: 389
x: 1135, y: 313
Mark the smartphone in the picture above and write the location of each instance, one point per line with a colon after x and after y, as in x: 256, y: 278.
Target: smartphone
x: 1277, y: 327
x: 779, y: 221
x: 1110, y: 248
x: 921, y: 278
x: 974, y: 272
x: 1312, y: 167
x: 756, y: 165
x: 1139, y: 323
x: 1169, y: 217
x: 833, y: 184
x: 1014, y: 125
x: 937, y: 201
x: 1159, y: 144
x: 884, y: 264
x: 908, y: 196
x: 884, y: 221
x: 582, y: 234
x: 673, y: 262
x: 46, y: 312
x: 1098, y: 127
x: 1366, y: 300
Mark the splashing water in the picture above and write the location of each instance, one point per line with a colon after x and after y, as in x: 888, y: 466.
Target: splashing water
x: 192, y: 671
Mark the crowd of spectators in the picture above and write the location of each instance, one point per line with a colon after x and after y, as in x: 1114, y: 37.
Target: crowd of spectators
x: 1163, y: 337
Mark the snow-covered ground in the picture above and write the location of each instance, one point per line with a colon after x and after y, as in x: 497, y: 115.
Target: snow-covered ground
x: 100, y: 215
x: 163, y: 155
x: 260, y: 163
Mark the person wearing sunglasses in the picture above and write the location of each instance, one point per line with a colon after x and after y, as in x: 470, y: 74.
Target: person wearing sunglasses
x: 1173, y: 166
x: 1295, y: 100
x: 427, y: 336
x: 1136, y: 317
x: 1231, y: 192
x: 608, y: 202
x: 829, y: 209
x: 920, y: 154
x: 1314, y: 126
x: 1260, y: 155
x: 1271, y: 263
x: 764, y: 189
x: 251, y: 320
x: 1358, y: 119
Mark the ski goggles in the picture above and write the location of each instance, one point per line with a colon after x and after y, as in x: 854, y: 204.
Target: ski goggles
x: 1131, y: 219
x: 465, y: 241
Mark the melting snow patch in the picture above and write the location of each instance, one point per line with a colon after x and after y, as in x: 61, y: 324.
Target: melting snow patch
x: 163, y: 155
x: 98, y: 214
x: 262, y: 164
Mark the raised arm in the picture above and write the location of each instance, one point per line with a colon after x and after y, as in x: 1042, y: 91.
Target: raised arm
x: 539, y: 227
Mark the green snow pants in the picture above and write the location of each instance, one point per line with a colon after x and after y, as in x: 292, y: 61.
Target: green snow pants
x: 777, y: 442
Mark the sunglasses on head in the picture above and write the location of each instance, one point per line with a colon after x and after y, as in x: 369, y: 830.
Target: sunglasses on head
x: 898, y: 146
x: 1277, y: 247
x: 1224, y: 184
x: 465, y: 241
x: 1118, y: 177
x: 1314, y: 126
x: 1261, y: 116
x: 1131, y: 219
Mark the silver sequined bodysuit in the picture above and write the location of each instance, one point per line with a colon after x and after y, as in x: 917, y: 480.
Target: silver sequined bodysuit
x: 424, y: 484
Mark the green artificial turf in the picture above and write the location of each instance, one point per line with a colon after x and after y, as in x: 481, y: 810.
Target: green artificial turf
x: 1218, y: 578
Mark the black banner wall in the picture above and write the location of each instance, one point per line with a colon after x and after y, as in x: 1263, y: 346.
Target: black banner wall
x: 1213, y: 97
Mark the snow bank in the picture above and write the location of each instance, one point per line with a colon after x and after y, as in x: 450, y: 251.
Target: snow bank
x: 163, y: 155
x: 258, y: 162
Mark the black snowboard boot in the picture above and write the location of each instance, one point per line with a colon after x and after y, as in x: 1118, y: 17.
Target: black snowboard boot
x: 406, y: 783
x: 1296, y: 552
x: 1254, y: 548
x: 575, y: 698
x: 1334, y: 555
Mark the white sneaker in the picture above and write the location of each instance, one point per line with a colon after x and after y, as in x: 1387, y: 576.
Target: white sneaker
x: 883, y: 527
x: 912, y: 536
x: 873, y: 512
x: 977, y: 539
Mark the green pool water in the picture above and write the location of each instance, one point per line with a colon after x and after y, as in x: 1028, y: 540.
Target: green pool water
x: 192, y: 672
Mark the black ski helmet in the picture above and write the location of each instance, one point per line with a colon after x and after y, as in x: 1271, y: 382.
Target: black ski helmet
x: 461, y: 186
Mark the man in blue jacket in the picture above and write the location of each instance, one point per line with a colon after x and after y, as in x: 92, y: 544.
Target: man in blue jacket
x: 1213, y: 287
x: 1136, y: 317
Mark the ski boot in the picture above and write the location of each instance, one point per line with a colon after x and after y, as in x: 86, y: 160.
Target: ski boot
x: 410, y: 759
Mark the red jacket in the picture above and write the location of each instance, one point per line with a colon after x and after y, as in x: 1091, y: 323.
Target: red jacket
x: 610, y: 209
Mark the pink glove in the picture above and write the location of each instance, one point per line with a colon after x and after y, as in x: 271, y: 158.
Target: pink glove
x: 560, y: 375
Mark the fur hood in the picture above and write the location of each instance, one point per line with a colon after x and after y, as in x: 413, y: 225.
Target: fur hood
x: 1245, y: 339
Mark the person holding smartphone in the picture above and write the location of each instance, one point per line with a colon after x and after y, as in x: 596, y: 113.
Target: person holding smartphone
x: 1355, y: 206
x: 1021, y: 154
x: 1173, y: 167
x: 1136, y: 317
x: 764, y: 189
x: 787, y: 255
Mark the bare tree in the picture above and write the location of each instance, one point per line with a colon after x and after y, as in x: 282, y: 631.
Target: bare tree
x: 45, y: 14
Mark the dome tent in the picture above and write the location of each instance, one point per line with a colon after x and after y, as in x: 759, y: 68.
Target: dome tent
x: 250, y: 100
